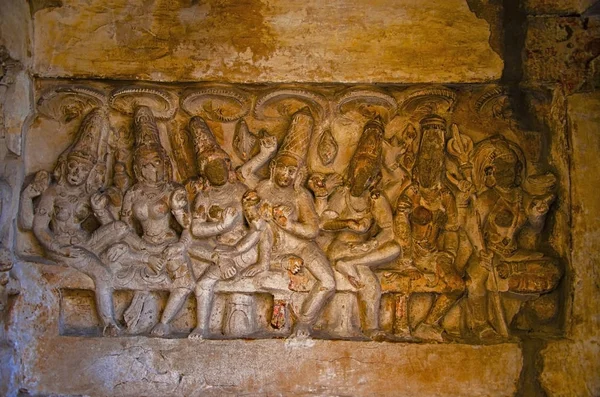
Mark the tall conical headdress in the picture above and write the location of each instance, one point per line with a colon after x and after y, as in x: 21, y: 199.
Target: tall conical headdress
x: 369, y: 145
x: 146, y: 130
x: 147, y: 138
x: 89, y: 137
x: 296, y: 142
x: 205, y: 144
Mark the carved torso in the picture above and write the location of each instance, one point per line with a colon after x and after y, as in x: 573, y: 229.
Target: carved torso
x: 151, y: 207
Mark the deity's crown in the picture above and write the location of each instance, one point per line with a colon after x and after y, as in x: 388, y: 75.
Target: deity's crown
x: 433, y: 121
x: 89, y: 137
x: 205, y: 144
x: 369, y: 144
x: 296, y: 142
x: 146, y: 130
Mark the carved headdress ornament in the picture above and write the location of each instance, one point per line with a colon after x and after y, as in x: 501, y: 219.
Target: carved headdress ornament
x: 205, y: 144
x: 296, y: 142
x: 433, y: 121
x: 369, y: 144
x: 368, y: 154
x: 147, y: 139
x: 89, y: 137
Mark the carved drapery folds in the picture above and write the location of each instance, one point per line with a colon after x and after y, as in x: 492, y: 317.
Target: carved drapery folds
x: 217, y: 211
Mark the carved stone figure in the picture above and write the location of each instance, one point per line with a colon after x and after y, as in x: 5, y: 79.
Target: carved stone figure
x: 65, y: 206
x: 429, y: 234
x: 294, y: 221
x: 361, y: 217
x: 426, y: 226
x: 218, y: 224
x: 155, y: 204
x: 502, y: 213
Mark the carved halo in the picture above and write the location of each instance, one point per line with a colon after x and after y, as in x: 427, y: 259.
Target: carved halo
x: 492, y: 102
x: 368, y: 102
x: 421, y: 101
x: 223, y: 104
x: 69, y: 102
x: 162, y: 103
x: 286, y: 102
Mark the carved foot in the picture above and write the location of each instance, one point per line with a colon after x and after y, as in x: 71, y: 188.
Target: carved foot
x: 350, y: 272
x: 196, y: 334
x: 487, y: 334
x: 112, y: 330
x: 301, y: 332
x: 161, y: 330
x: 428, y: 332
x: 376, y: 335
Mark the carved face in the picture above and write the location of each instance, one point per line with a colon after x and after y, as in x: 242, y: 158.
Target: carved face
x: 151, y: 167
x: 217, y: 171
x: 286, y: 170
x: 78, y: 170
x: 505, y: 170
x: 430, y: 161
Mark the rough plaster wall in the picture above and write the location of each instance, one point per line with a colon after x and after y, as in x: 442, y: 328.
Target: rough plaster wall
x: 261, y: 40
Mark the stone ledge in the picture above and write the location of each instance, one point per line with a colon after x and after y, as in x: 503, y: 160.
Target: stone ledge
x: 155, y: 367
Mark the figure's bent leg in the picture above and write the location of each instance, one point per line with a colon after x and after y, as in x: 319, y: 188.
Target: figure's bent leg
x: 369, y: 298
x: 102, y: 277
x: 322, y: 290
x: 175, y: 302
x: 204, y: 299
x: 477, y: 302
x: 106, y: 235
x: 380, y: 256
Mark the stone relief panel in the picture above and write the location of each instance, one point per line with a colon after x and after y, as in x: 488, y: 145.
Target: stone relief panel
x: 336, y: 212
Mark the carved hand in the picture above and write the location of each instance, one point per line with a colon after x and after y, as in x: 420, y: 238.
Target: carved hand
x: 316, y: 183
x: 156, y: 263
x: 116, y: 251
x: 253, y: 270
x: 40, y: 182
x: 229, y: 216
x: 359, y: 225
x: 73, y: 252
x: 174, y: 250
x: 541, y: 206
x: 485, y: 259
x: 99, y: 201
x: 228, y: 271
x: 281, y: 214
x: 268, y: 144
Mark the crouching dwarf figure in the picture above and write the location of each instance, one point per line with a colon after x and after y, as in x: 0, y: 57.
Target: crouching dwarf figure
x: 363, y: 222
x: 426, y: 226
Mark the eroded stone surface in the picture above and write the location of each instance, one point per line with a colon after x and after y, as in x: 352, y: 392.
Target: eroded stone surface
x: 571, y: 366
x: 560, y: 50
x: 258, y: 41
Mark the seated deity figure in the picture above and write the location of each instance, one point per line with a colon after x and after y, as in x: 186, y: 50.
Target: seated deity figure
x: 293, y: 221
x: 506, y: 208
x: 64, y: 206
x: 362, y: 220
x: 222, y: 241
x: 426, y: 226
x: 155, y: 205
